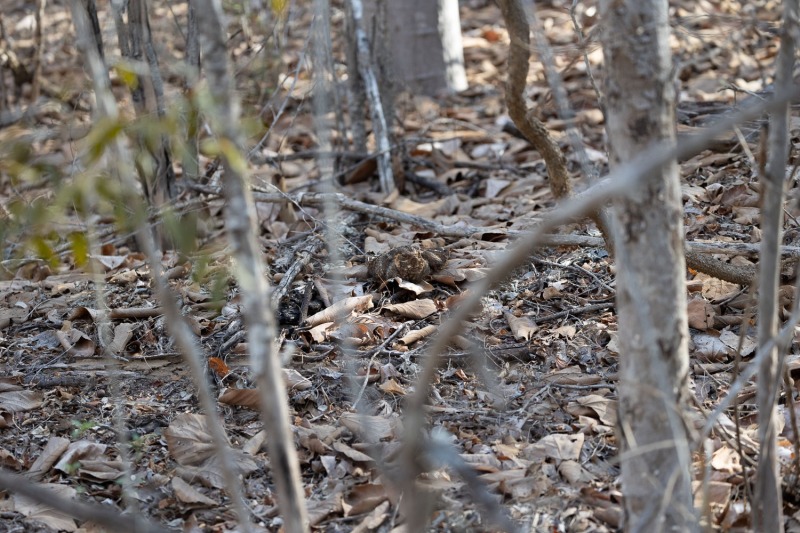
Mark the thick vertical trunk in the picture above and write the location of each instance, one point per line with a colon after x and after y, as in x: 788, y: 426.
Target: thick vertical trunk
x: 425, y: 41
x: 651, y: 297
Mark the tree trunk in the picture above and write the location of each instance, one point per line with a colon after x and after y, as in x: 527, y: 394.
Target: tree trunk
x: 425, y: 38
x: 240, y: 225
x: 136, y: 45
x: 651, y: 294
x: 767, y: 504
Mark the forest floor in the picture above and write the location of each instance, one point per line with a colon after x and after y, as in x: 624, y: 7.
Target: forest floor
x: 527, y: 395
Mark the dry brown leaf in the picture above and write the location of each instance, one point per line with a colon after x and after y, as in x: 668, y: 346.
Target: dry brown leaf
x: 557, y: 446
x: 417, y: 288
x: 415, y: 309
x: 393, y: 387
x: 91, y: 454
x: 185, y: 493
x: 20, y: 401
x: 189, y: 439
x: 50, y: 454
x: 372, y: 428
x: 701, y: 314
x: 123, y: 333
x: 341, y: 309
x: 241, y: 397
x: 523, y: 327
x: 364, y: 498
x: 41, y: 513
x: 418, y: 334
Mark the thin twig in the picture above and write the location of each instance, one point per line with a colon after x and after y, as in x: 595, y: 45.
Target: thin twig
x: 302, y: 258
x: 379, y: 125
x: 574, y: 312
x: 577, y: 269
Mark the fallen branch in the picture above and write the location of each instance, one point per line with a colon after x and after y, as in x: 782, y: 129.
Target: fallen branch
x: 458, y: 230
x: 574, y: 312
x: 302, y: 257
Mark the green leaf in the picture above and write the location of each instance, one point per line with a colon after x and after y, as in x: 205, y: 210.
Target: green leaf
x: 101, y: 135
x: 182, y: 230
x: 127, y: 75
x: 80, y: 248
x: 279, y: 6
x: 43, y: 249
x: 210, y: 148
x: 233, y: 156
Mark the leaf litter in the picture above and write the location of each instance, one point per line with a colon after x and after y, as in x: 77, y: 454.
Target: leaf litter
x: 528, y: 395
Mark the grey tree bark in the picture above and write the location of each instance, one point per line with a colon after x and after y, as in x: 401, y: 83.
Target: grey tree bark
x: 367, y: 74
x: 191, y: 157
x: 425, y: 39
x: 651, y: 294
x: 767, y: 505
x: 136, y: 45
x: 240, y: 224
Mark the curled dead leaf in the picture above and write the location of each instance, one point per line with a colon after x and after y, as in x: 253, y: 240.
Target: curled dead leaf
x: 340, y: 310
x: 418, y: 334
